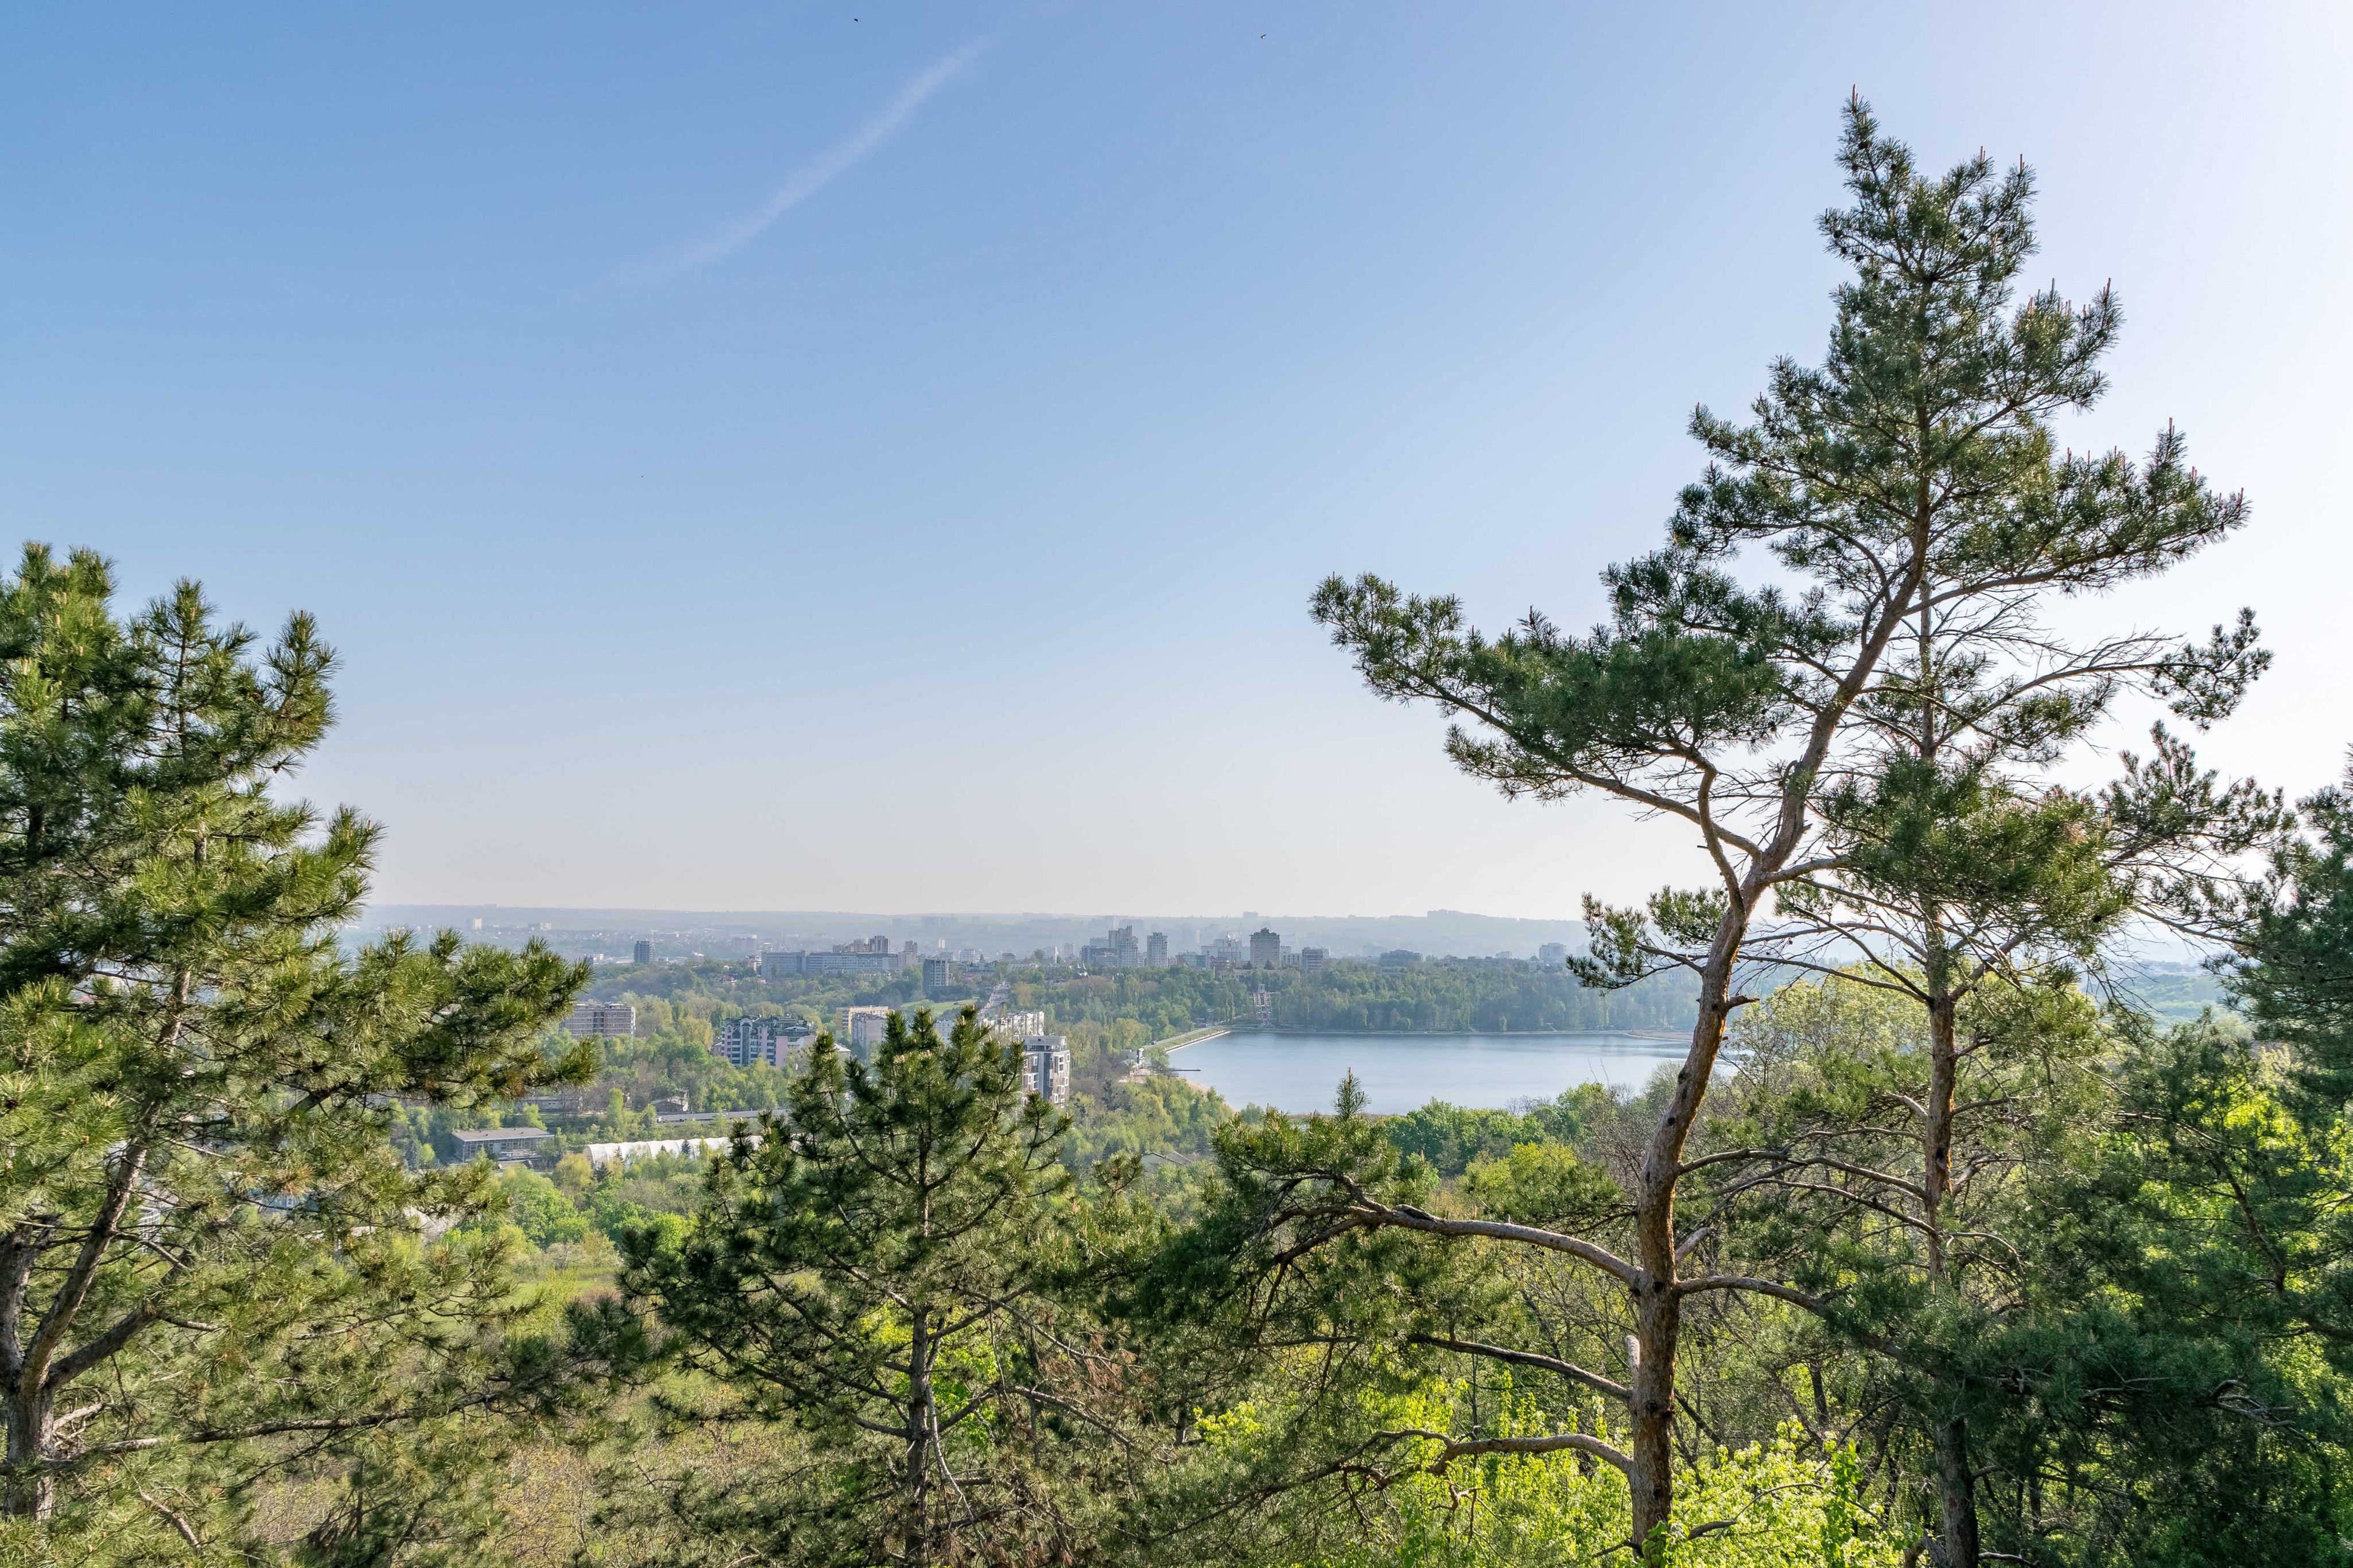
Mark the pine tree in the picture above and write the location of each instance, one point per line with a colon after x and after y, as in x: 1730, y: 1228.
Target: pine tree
x: 1959, y: 877
x: 872, y: 1273
x: 209, y: 1258
x: 1911, y: 479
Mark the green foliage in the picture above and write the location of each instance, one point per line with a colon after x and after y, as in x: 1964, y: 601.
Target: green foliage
x: 1160, y: 1116
x: 2177, y: 1351
x: 2294, y: 975
x: 869, y: 1272
x: 1449, y: 1136
x: 1777, y: 1503
x: 534, y: 1206
x: 210, y: 1265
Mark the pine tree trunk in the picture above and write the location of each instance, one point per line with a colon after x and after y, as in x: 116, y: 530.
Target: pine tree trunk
x: 1658, y: 1308
x: 28, y: 1490
x: 1658, y: 1323
x: 1936, y: 1135
x: 919, y: 1432
x: 1956, y: 1496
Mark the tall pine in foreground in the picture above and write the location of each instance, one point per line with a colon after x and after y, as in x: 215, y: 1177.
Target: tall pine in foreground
x: 1911, y: 479
x: 870, y: 1275
x: 211, y: 1271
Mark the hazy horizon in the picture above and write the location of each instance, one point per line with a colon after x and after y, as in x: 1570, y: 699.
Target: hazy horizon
x: 725, y: 933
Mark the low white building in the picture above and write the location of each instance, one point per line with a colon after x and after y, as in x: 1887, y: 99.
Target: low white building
x: 603, y: 1154
x: 498, y: 1142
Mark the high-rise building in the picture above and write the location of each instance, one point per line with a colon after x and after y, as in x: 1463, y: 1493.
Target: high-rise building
x: 1046, y: 1067
x: 642, y: 953
x: 862, y: 1028
x: 602, y: 1020
x: 1552, y: 955
x: 1312, y: 960
x: 941, y: 977
x: 1155, y: 950
x: 1118, y: 949
x: 1400, y: 958
x: 1265, y: 949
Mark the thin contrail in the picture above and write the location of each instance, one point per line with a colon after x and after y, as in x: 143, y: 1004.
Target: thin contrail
x: 812, y: 176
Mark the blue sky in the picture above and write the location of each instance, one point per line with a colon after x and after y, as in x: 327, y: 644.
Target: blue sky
x: 797, y: 457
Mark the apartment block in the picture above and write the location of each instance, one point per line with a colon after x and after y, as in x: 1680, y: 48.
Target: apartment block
x: 862, y: 1028
x: 1046, y: 1067
x: 741, y: 1042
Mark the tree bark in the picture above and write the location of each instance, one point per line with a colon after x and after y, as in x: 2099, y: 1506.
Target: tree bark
x: 1956, y: 1496
x: 30, y: 1489
x: 919, y: 1437
x: 1657, y: 1306
x: 1936, y: 1135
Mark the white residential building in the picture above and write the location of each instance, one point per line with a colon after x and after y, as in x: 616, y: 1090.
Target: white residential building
x: 1046, y: 1067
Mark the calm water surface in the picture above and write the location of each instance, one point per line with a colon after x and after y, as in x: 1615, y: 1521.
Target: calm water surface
x: 1399, y: 1072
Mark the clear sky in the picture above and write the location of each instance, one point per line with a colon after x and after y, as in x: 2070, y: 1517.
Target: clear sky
x: 876, y: 456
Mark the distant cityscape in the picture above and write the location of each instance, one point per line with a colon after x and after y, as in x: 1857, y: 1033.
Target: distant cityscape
x: 947, y: 972
x: 620, y: 937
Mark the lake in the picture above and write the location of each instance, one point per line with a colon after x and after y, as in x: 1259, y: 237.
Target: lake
x: 1400, y: 1072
